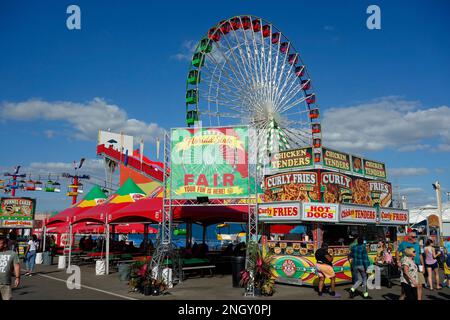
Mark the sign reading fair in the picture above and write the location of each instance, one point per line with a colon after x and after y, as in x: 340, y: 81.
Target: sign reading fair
x: 279, y: 211
x: 352, y: 213
x: 210, y: 162
x: 17, y: 212
x: 394, y: 216
x: 318, y: 212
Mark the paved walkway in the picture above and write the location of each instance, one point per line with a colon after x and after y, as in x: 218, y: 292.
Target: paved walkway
x: 50, y: 283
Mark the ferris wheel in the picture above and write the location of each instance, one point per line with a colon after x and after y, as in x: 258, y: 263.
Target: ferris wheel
x: 246, y: 71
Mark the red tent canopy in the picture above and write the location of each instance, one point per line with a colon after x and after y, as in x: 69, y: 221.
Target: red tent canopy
x: 146, y: 210
x: 88, y: 228
x: 64, y: 216
x: 98, y: 213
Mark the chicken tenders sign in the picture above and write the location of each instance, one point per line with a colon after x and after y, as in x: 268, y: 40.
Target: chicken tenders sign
x: 352, y: 213
x: 320, y: 212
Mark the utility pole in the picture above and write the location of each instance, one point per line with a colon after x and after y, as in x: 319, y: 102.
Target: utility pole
x: 13, y: 185
x: 75, y: 187
x: 437, y: 188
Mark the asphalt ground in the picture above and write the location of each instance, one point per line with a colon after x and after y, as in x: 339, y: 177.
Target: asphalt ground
x: 49, y: 283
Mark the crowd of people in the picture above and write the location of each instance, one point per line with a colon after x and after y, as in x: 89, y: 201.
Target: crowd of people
x: 412, y: 262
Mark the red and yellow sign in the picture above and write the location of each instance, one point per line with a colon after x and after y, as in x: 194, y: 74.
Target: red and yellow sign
x: 279, y: 211
x: 393, y: 216
x: 352, y: 213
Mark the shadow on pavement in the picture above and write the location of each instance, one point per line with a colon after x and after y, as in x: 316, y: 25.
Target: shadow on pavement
x: 434, y: 297
x: 444, y: 295
x: 390, y: 296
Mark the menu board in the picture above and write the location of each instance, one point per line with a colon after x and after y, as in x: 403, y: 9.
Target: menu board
x: 358, y: 214
x: 302, y: 158
x: 279, y: 211
x: 17, y: 212
x: 374, y: 169
x: 394, y: 216
x: 292, y: 159
x: 336, y: 160
x: 297, y: 185
x: 320, y: 212
x: 341, y: 188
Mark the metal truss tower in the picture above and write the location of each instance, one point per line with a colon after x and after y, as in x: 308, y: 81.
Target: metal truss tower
x: 165, y: 249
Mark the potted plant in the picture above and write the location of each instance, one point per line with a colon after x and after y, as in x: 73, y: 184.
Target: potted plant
x: 158, y: 287
x: 262, y: 271
x: 139, y: 273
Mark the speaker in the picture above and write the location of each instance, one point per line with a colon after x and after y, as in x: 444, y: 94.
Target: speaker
x: 202, y: 199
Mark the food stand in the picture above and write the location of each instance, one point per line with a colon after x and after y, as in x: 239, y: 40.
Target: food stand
x: 334, y: 201
x: 17, y: 213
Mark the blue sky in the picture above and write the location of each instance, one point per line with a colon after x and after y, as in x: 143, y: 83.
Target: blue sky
x: 383, y: 93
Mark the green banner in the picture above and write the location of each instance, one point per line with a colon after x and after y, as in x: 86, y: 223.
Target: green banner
x: 293, y: 159
x: 336, y: 160
x: 209, y: 162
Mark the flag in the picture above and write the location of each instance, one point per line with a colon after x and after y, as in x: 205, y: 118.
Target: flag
x: 81, y: 163
x: 157, y: 148
x: 141, y: 150
x: 125, y: 161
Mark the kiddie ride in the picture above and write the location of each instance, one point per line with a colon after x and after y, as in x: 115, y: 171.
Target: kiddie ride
x: 331, y: 201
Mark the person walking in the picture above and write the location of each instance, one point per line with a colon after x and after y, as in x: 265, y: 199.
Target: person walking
x: 350, y: 260
x: 30, y: 255
x: 409, y: 278
x: 411, y: 242
x: 9, y: 260
x: 361, y: 262
x: 325, y: 270
x: 447, y: 263
x: 432, y: 264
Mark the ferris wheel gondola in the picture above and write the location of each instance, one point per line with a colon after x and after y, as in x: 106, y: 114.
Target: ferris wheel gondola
x: 246, y: 71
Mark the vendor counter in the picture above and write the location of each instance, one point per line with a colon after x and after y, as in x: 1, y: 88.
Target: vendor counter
x: 294, y: 262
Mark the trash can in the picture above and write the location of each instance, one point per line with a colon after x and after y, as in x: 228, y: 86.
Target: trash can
x: 47, y: 258
x: 237, y: 265
x: 39, y: 258
x: 100, y: 267
x: 61, y: 262
x: 124, y: 271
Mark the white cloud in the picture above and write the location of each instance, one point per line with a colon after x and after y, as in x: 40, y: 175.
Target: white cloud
x: 85, y: 119
x: 49, y: 133
x: 328, y: 28
x: 187, y: 50
x: 412, y: 190
x: 406, y: 172
x: 414, y: 147
x: 387, y: 123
